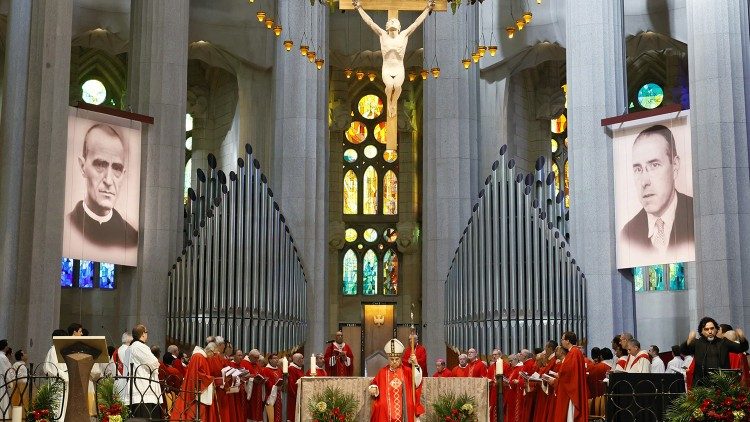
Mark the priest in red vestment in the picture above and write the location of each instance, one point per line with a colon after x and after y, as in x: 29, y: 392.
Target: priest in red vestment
x: 295, y: 373
x: 339, y: 358
x: 462, y: 369
x: 238, y: 399
x: 545, y: 393
x: 319, y: 367
x: 394, y: 386
x: 272, y: 396
x: 738, y: 360
x: 217, y: 362
x: 197, y: 375
x: 572, y: 393
x: 419, y: 351
x: 596, y: 374
x: 254, y: 387
x: 441, y: 370
x: 477, y: 367
x: 491, y: 371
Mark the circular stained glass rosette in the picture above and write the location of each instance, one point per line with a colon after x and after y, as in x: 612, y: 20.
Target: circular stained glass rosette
x: 370, y: 235
x: 650, y: 96
x: 390, y: 156
x: 93, y: 92
x: 553, y: 145
x: 371, y: 151
x: 390, y: 235
x: 350, y: 235
x: 357, y: 133
x: 350, y: 155
x: 380, y: 131
x: 370, y: 106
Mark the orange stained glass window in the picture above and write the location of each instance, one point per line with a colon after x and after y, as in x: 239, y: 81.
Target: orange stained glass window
x: 356, y: 133
x: 390, y: 155
x: 567, y: 185
x: 556, y: 170
x: 553, y: 145
x: 370, y: 106
x: 390, y: 193
x: 380, y: 131
x: 370, y: 191
x: 350, y: 192
x: 560, y: 124
x: 390, y: 273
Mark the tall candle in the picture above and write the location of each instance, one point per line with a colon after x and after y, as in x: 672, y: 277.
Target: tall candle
x: 284, y: 365
x: 313, y: 365
x: 16, y: 414
x: 499, y: 367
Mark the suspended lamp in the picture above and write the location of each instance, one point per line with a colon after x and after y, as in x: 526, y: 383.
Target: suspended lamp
x: 288, y: 44
x: 261, y: 15
x: 303, y: 49
x: 538, y: 1
x: 492, y: 49
x: 412, y: 76
x: 424, y: 74
x: 527, y: 16
x: 250, y: 1
x: 360, y: 74
x: 311, y: 56
x: 269, y: 23
x: 348, y: 73
x: 520, y: 23
x: 277, y: 30
x: 319, y: 63
x: 481, y: 50
x: 435, y: 72
x: 475, y: 56
x: 466, y: 63
x: 511, y: 31
x: 371, y: 76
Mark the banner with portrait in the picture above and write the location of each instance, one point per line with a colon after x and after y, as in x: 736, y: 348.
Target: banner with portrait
x: 654, y: 191
x: 102, y: 188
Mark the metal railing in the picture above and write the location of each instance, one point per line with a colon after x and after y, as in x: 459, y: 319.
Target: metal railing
x: 240, y: 274
x: 512, y: 282
x: 19, y: 386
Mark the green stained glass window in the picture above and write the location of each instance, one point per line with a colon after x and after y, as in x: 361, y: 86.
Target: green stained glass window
x: 650, y: 96
x: 369, y: 273
x: 390, y: 273
x: 350, y: 273
x: 350, y: 155
x: 656, y: 277
x: 677, y: 276
x: 638, y: 279
x: 390, y: 193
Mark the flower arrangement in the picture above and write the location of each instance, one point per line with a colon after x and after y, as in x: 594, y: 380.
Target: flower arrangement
x: 451, y: 408
x: 333, y: 405
x: 722, y: 399
x: 45, y: 402
x: 109, y: 406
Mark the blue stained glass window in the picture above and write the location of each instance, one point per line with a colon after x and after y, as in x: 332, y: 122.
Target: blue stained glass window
x: 350, y: 273
x: 650, y: 96
x: 638, y: 279
x: 66, y: 272
x: 390, y: 273
x: 677, y: 276
x: 369, y: 273
x: 106, y: 276
x: 86, y: 275
x: 656, y: 277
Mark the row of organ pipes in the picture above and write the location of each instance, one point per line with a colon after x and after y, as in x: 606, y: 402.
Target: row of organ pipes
x: 512, y: 282
x: 239, y: 274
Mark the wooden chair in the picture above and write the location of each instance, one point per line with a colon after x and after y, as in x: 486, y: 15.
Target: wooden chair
x: 596, y: 408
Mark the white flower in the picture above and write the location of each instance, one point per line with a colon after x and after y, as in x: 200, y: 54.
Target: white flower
x: 468, y: 408
x: 321, y: 406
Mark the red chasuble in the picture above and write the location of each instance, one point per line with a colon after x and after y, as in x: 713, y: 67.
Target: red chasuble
x: 221, y: 398
x: 458, y: 371
x: 421, y: 354
x: 319, y: 372
x: 739, y: 361
x: 513, y: 395
x: 295, y: 373
x: 177, y: 364
x: 571, y: 387
x: 545, y: 402
x: 197, y: 374
x: 238, y: 400
x: 336, y: 357
x: 527, y: 393
x: 596, y: 374
x: 477, y: 369
x: 493, y: 387
x: 272, y: 375
x: 255, y: 403
x: 445, y: 373
x: 395, y: 389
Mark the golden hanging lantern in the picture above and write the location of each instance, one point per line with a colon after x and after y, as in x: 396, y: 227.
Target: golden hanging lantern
x: 412, y: 76
x: 424, y: 74
x: 475, y: 56
x: 520, y: 23
x: 371, y: 76
x: 481, y: 50
x: 527, y: 16
x: 288, y: 44
x: 277, y: 30
x: 319, y: 63
x: 538, y: 1
x: 250, y: 1
x: 492, y: 49
x: 348, y: 73
x: 435, y: 72
x: 261, y: 15
x: 269, y: 23
x: 311, y: 56
x: 303, y: 49
x: 511, y: 31
x: 466, y: 63
x: 360, y: 74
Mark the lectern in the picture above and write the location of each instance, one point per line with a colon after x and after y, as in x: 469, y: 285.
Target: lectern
x: 79, y: 353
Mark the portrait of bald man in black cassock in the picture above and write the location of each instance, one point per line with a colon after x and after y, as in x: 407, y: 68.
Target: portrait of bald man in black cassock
x: 103, y: 164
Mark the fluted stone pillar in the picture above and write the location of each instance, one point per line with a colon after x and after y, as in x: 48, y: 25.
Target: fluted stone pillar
x: 12, y: 125
x: 596, y: 89
x: 450, y: 131
x: 37, y: 295
x: 300, y: 159
x: 157, y: 87
x: 719, y: 67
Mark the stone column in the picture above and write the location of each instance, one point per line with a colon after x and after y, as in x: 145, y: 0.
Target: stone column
x: 450, y: 130
x: 596, y: 89
x: 157, y: 87
x: 12, y: 128
x: 37, y: 295
x: 300, y: 164
x: 719, y: 65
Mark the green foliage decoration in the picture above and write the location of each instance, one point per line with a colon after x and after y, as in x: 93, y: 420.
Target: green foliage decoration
x: 723, y: 398
x: 453, y: 408
x: 333, y: 405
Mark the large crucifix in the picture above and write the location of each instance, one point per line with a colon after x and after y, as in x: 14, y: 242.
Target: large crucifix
x: 393, y: 47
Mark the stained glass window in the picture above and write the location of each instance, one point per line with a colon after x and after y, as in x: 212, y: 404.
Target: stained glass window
x: 677, y: 276
x: 370, y: 106
x: 357, y: 133
x: 66, y: 272
x: 656, y: 277
x: 86, y: 275
x: 638, y: 279
x: 390, y: 155
x: 188, y: 173
x: 556, y: 170
x: 650, y: 96
x: 106, y: 276
x: 188, y: 122
x: 390, y: 235
x: 380, y: 132
x: 390, y: 273
x: 370, y: 194
x: 560, y: 124
x: 553, y: 145
x: 350, y: 155
x: 189, y: 143
x: 93, y: 92
x: 369, y: 273
x: 350, y: 192
x: 371, y: 151
x: 370, y: 235
x: 567, y: 185
x: 390, y: 193
x: 350, y: 235
x: 350, y: 273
